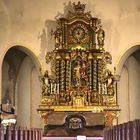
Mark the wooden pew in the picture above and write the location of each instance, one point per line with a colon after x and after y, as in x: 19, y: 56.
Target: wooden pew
x: 125, y: 131
x: 10, y: 133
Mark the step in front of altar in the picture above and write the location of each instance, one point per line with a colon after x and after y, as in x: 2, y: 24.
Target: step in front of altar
x: 71, y: 138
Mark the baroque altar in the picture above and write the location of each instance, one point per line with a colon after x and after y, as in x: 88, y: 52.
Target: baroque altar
x: 80, y: 90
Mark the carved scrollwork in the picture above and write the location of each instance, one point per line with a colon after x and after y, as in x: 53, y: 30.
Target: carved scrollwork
x: 49, y: 57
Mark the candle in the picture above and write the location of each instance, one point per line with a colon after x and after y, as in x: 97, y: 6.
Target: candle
x: 54, y: 88
x: 105, y: 88
x: 51, y: 88
x: 57, y: 88
x: 99, y: 88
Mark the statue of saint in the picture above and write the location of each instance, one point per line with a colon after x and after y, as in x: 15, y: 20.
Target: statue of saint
x: 45, y: 82
x: 80, y: 74
x: 100, y: 36
x: 77, y: 73
x: 58, y: 37
x: 110, y: 82
x: 84, y: 76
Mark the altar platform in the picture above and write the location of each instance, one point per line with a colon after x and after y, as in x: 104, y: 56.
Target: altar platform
x: 71, y: 138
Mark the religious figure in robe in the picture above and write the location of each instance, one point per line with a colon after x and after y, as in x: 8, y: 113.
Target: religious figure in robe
x: 58, y: 37
x: 77, y: 73
x: 45, y: 82
x: 84, y: 76
x: 100, y: 37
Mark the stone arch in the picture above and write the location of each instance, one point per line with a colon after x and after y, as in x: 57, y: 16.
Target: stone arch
x: 129, y: 87
x: 23, y: 70
x: 124, y: 57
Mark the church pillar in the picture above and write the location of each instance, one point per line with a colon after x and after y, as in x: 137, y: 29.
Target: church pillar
x: 35, y: 90
x: 24, y: 93
x: 134, y: 87
x: 123, y: 96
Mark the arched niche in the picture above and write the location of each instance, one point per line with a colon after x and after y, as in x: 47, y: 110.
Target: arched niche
x: 21, y: 85
x: 129, y: 85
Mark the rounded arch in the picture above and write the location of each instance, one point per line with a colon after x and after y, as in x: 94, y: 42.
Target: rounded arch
x: 129, y: 68
x: 20, y: 81
x: 124, y: 57
x: 28, y: 52
x: 24, y: 49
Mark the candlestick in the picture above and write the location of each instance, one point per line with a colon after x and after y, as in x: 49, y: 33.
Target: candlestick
x: 99, y: 87
x: 57, y: 88
x: 51, y: 88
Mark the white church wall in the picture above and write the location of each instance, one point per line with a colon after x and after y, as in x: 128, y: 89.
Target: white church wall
x: 123, y: 97
x: 36, y: 121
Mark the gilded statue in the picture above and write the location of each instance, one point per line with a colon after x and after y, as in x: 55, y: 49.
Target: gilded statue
x: 110, y: 81
x: 84, y: 76
x: 77, y: 73
x: 80, y: 74
x: 45, y: 81
x: 58, y: 37
x: 100, y: 36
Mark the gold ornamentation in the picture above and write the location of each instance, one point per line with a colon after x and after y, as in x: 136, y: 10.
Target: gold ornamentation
x: 109, y: 117
x: 79, y: 8
x: 100, y: 37
x: 79, y: 80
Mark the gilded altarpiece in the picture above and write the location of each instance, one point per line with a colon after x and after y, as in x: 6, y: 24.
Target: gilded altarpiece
x: 81, y: 90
